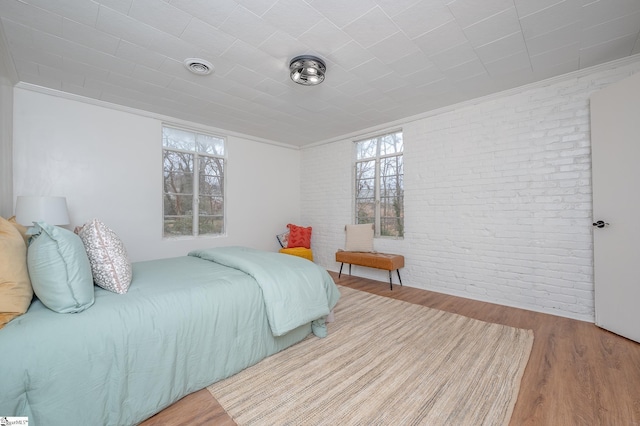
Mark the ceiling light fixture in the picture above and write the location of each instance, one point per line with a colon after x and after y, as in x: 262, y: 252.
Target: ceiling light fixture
x: 198, y: 66
x: 307, y: 70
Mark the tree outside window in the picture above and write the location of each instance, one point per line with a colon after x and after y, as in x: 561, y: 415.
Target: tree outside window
x: 379, y: 185
x: 193, y: 177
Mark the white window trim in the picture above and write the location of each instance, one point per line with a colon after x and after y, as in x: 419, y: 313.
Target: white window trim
x: 196, y: 183
x: 376, y: 158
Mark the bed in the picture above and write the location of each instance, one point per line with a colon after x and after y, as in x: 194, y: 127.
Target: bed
x: 185, y: 323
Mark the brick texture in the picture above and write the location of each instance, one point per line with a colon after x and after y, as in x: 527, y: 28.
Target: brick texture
x: 497, y: 198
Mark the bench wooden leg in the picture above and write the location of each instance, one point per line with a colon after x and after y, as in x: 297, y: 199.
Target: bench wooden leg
x: 399, y: 279
x: 340, y: 273
x: 390, y: 281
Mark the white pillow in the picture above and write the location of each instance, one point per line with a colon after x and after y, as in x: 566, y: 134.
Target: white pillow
x: 110, y: 265
x: 359, y: 238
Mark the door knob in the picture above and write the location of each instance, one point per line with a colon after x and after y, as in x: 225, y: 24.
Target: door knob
x: 600, y: 224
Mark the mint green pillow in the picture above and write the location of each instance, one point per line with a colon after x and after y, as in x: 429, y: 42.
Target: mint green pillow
x: 59, y: 269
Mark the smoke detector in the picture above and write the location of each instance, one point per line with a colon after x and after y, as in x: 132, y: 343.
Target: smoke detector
x: 198, y: 66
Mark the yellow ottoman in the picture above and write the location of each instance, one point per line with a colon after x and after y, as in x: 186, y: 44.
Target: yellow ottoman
x: 299, y: 251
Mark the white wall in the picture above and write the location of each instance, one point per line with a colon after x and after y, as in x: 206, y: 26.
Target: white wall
x: 6, y: 130
x: 108, y: 163
x: 497, y: 198
x: 6, y: 152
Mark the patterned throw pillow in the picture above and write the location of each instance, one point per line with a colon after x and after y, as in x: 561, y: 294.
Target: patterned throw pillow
x: 283, y: 239
x: 299, y: 236
x: 110, y: 264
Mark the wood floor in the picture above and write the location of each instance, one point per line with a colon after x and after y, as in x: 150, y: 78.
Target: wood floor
x: 578, y: 374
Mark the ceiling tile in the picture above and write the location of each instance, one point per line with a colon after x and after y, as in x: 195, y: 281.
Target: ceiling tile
x: 501, y: 48
x: 493, y: 28
x: 394, y: 7
x: 292, y: 16
x: 82, y: 91
x: 36, y: 56
x: 442, y: 38
x: 599, y: 11
x: 351, y: 55
x: 44, y: 81
x: 371, y: 70
x: 76, y: 10
x: 31, y: 16
x: 283, y: 46
x: 259, y: 7
x: 245, y: 76
x: 528, y: 7
x: 17, y: 35
x: 324, y: 37
x: 388, y: 83
x: 509, y: 64
x: 102, y: 60
x: 411, y: 63
x: 212, y: 12
x: 25, y: 67
x: 160, y: 15
x: 550, y: 19
x: 393, y: 48
x: 151, y: 76
x: 121, y: 6
x: 342, y: 12
x: 469, y: 12
x: 607, y: 51
x: 61, y: 75
x: 272, y: 87
x: 74, y: 67
x: 553, y: 70
x: 627, y: 25
x: 89, y: 36
x: 126, y: 27
x: 464, y: 71
x: 371, y: 28
x: 247, y: 26
x: 424, y: 76
x: 551, y: 57
x: 454, y: 57
x: 203, y: 35
x: 569, y: 34
x: 423, y: 17
x: 134, y: 53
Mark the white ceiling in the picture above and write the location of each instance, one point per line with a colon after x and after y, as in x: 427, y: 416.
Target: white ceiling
x: 386, y: 59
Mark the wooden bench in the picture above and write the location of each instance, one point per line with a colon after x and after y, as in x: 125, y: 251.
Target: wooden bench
x: 386, y: 261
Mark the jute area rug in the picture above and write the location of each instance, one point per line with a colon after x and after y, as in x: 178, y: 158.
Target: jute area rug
x: 385, y: 362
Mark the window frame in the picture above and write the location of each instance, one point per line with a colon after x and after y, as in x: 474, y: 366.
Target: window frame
x: 195, y: 204
x: 377, y: 158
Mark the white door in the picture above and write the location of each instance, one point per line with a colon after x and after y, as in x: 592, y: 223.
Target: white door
x: 615, y: 153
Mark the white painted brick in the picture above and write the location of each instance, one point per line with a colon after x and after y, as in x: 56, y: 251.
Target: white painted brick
x: 497, y: 199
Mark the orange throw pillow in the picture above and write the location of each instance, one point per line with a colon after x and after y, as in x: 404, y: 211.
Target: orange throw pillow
x: 299, y: 236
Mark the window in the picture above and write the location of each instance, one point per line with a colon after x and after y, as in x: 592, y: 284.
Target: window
x: 193, y: 194
x: 379, y: 186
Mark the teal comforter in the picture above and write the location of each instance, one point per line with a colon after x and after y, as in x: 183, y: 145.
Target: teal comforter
x: 295, y: 291
x: 184, y: 323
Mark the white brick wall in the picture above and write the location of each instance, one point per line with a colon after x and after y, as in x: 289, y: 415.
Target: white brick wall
x: 497, y: 199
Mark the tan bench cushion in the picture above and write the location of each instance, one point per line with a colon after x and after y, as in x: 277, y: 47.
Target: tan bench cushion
x: 386, y: 261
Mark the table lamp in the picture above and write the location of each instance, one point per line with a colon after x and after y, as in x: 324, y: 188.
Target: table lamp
x: 52, y: 210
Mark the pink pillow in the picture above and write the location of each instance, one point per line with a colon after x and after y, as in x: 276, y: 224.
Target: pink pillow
x: 299, y: 236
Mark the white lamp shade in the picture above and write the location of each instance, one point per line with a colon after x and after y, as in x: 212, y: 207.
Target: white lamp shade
x: 52, y: 210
